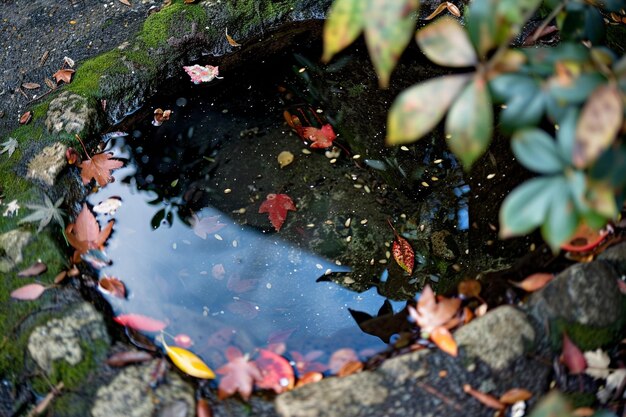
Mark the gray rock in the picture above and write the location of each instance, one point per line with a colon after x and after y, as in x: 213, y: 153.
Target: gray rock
x: 129, y: 395
x: 616, y: 256
x: 70, y: 113
x: 585, y: 293
x: 497, y: 338
x: 46, y: 165
x: 11, y: 245
x: 61, y: 338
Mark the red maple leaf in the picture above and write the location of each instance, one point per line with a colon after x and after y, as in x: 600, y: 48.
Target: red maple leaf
x: 99, y: 167
x: 277, y: 373
x: 322, y: 138
x: 85, y: 233
x: 206, y: 225
x: 240, y: 374
x: 276, y: 205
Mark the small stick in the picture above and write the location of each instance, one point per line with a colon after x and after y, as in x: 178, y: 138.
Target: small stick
x: 445, y: 399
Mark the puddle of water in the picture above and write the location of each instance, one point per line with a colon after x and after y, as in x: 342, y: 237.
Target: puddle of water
x: 231, y: 280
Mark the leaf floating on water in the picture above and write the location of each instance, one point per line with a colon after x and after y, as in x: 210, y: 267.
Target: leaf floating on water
x: 230, y: 40
x: 188, y: 362
x: 430, y: 313
x: 161, y: 116
x: 85, y: 234
x: 113, y: 286
x: 240, y: 374
x: 444, y: 340
x: 277, y: 205
x: 141, y: 322
x: 183, y: 340
x: 277, y: 373
x: 125, y: 358
x: 99, y: 167
x: 534, y: 282
x: 218, y: 271
x: 202, y: 74
x: 206, y: 225
x: 35, y: 269
x: 572, y: 357
x: 28, y: 292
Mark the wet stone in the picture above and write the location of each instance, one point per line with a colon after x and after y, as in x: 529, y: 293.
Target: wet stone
x: 498, y: 338
x: 70, y: 113
x: 129, y: 394
x: 62, y: 338
x: 48, y: 164
x: 616, y: 256
x: 11, y: 245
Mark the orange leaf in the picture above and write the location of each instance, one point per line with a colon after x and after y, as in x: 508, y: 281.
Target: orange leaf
x: 429, y: 314
x: 350, y: 368
x: 64, y: 75
x: 309, y: 378
x: 340, y: 358
x: 534, y: 282
x: 99, y: 167
x: 469, y: 288
x: 322, y: 138
x: 514, y: 395
x: 230, y: 40
x: 444, y: 340
x: 203, y: 409
x: 25, y: 118
x: 112, y: 286
x: 486, y: 399
x: 85, y: 233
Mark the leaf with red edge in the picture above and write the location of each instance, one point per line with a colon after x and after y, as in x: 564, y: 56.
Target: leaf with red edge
x: 322, y: 138
x: 444, y: 340
x: 534, y: 282
x: 403, y: 254
x: 35, y: 269
x: 276, y: 372
x: 486, y: 399
x: 277, y: 205
x: 585, y: 239
x: 99, y: 167
x: 113, y: 286
x: 240, y: 374
x: 141, y: 322
x: 430, y: 313
x: 572, y: 357
x: 28, y: 292
x: 85, y: 233
x: 340, y: 357
x: 206, y: 225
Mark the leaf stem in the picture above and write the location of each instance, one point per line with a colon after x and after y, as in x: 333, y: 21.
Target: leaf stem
x: 84, y: 148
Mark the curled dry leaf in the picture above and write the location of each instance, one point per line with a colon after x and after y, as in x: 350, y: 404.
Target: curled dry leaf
x: 69, y: 61
x: 534, y: 282
x: 443, y: 6
x: 25, y: 118
x: 486, y: 399
x: 113, y: 286
x: 31, y: 86
x: 35, y: 269
x: 51, y: 85
x: 125, y: 358
x: 64, y: 75
x: 28, y: 292
x: 161, y: 116
x: 514, y: 395
x: 442, y: 337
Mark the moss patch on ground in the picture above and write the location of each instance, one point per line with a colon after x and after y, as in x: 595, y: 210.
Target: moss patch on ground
x: 170, y: 21
x: 86, y: 81
x: 253, y: 13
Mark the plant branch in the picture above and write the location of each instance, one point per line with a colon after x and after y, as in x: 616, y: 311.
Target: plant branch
x: 84, y: 148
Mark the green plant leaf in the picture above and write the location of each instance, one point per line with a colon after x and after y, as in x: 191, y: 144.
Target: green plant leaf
x: 566, y: 135
x: 537, y: 151
x: 599, y: 122
x: 526, y: 206
x: 419, y: 108
x: 562, y: 218
x: 552, y: 405
x: 469, y: 124
x: 343, y: 25
x: 45, y: 213
x: 481, y: 25
x: 445, y: 42
x: 523, y: 110
x: 576, y: 90
x: 389, y: 26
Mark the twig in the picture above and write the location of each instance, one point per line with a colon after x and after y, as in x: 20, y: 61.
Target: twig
x: 43, y: 404
x: 547, y: 21
x: 41, y: 96
x: 445, y: 399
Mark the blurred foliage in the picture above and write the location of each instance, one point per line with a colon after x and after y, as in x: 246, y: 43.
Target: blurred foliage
x: 563, y: 106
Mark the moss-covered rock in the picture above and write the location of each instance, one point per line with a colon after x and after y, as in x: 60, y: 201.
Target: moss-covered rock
x: 47, y: 165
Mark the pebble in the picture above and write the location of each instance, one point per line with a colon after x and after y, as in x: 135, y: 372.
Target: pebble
x: 227, y: 191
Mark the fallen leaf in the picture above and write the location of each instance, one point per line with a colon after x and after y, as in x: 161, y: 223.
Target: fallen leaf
x: 9, y: 145
x: 99, y: 167
x: 309, y: 378
x: 514, y: 395
x: 125, y: 358
x: 222, y: 337
x: 585, y: 239
x: 430, y: 314
x: 188, y: 362
x: 277, y: 205
x: 113, y: 286
x: 31, y: 86
x: 72, y: 157
x: 284, y: 158
x: 28, y: 292
x: 64, y: 75
x: 469, y: 288
x: 203, y: 409
x: 161, y: 116
x: 69, y: 61
x: 140, y: 322
x: 60, y: 277
x: 583, y: 412
x: 45, y: 213
x: 534, y: 282
x: 572, y: 357
x: 25, y: 118
x: 443, y: 6
x: 402, y: 252
x: 200, y: 74
x: 340, y: 357
x: 85, y: 233
x: 486, y: 399
x: 108, y: 206
x: 305, y: 364
x: 276, y: 372
x: 51, y: 85
x: 240, y: 374
x: 230, y: 40
x: 124, y: 2
x: 205, y: 225
x: 322, y: 138
x: 442, y: 337
x: 350, y: 368
x: 238, y: 285
x: 35, y: 269
x: 243, y: 308
x: 597, y: 363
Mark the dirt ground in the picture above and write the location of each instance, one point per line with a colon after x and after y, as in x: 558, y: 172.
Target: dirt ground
x: 36, y: 36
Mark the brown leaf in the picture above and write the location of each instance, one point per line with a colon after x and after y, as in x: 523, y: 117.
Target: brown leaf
x: 534, y: 282
x: 443, y: 6
x: 350, y: 368
x: 28, y: 292
x: 230, y: 40
x: 309, y: 378
x: 85, y: 233
x: 126, y: 2
x: 99, y: 167
x: 51, y: 85
x: 44, y: 58
x: 113, y: 286
x: 486, y: 399
x: 514, y: 395
x: 64, y: 75
x: 469, y: 288
x: 444, y: 340
x: 131, y: 356
x: 25, y: 118
x: 35, y: 269
x: 430, y: 314
x: 31, y: 86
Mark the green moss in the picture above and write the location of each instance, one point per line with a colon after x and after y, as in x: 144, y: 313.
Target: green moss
x: 170, y: 21
x: 252, y: 14
x: 580, y: 399
x: 86, y: 81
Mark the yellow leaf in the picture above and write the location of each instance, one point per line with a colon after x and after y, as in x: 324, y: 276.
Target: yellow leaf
x: 230, y: 40
x: 188, y: 362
